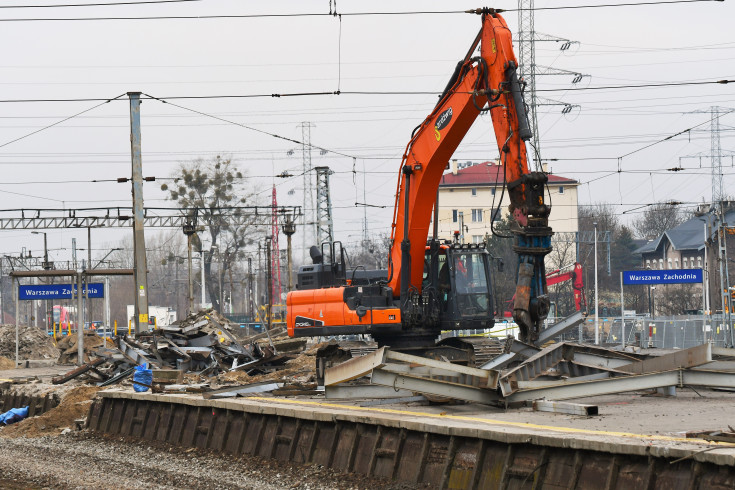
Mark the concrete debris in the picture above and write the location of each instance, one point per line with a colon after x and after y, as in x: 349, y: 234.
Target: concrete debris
x: 33, y: 343
x: 67, y: 344
x: 202, y: 344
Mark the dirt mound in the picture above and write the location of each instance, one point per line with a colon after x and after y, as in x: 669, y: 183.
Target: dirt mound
x: 6, y: 363
x: 303, y: 366
x: 34, y: 343
x: 69, y: 350
x: 73, y: 406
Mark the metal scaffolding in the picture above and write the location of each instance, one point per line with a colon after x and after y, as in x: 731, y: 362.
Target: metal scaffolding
x: 324, y: 225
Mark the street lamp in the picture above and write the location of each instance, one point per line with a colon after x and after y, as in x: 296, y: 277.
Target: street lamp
x: 46, y: 266
x: 289, y: 228
x: 597, y: 304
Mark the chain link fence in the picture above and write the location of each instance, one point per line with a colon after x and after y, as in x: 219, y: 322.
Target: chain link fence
x: 675, y: 332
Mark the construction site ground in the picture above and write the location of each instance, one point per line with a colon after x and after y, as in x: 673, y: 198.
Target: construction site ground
x: 628, y: 422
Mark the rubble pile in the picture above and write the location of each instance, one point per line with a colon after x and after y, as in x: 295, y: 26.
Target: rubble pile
x: 67, y: 344
x: 6, y: 363
x: 33, y: 343
x: 201, y: 346
x: 204, y: 343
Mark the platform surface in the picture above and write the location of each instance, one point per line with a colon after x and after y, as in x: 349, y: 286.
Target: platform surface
x: 627, y: 424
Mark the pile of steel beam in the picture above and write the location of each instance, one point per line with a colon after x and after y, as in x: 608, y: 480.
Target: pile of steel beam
x: 527, y: 373
x: 201, y: 344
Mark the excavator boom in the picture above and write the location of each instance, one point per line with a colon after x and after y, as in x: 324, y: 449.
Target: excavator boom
x: 417, y: 300
x: 488, y: 79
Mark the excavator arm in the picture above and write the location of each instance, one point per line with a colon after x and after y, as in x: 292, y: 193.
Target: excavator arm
x: 576, y: 276
x: 490, y: 79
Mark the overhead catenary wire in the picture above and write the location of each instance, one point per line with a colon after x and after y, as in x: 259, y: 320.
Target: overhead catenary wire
x: 274, y: 135
x: 59, y: 122
x: 105, y: 4
x: 366, y: 92
x: 330, y: 14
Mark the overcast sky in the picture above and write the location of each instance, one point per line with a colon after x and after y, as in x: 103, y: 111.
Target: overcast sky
x: 100, y: 59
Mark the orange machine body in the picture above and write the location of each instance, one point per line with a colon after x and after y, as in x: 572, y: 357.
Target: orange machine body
x: 325, y: 312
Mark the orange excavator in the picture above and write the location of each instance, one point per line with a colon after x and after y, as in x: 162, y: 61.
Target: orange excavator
x: 434, y: 285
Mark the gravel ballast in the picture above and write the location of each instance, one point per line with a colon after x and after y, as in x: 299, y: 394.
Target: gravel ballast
x: 81, y: 460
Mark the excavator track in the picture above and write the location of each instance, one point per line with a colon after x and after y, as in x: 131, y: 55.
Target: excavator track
x: 482, y: 349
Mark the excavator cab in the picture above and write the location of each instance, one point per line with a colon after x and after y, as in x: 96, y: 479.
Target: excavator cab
x: 464, y: 286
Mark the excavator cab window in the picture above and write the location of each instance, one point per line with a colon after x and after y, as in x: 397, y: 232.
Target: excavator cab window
x: 471, y: 285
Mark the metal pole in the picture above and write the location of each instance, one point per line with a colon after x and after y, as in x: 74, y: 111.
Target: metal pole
x: 219, y: 277
x: 597, y: 304
x: 727, y: 285
x: 705, y: 281
x: 141, y: 269
x: 204, y: 285
x: 107, y: 304
x: 191, y: 278
x: 704, y: 309
x: 289, y: 263
x: 46, y: 266
x: 622, y: 313
x: 17, y: 321
x: 251, y: 309
x: 269, y: 283
x: 721, y: 259
x: 80, y: 320
x: 2, y: 305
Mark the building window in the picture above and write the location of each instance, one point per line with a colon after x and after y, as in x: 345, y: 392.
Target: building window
x: 685, y: 262
x: 561, y: 189
x: 669, y: 263
x: 676, y: 263
x: 492, y: 191
x: 474, y: 192
x: 648, y: 263
x: 661, y: 264
x: 476, y: 215
x: 699, y: 262
x: 477, y: 238
x: 497, y: 215
x: 454, y: 215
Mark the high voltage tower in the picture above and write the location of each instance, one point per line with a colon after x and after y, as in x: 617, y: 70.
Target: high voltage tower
x: 324, y: 224
x: 527, y: 39
x: 308, y: 216
x: 715, y: 156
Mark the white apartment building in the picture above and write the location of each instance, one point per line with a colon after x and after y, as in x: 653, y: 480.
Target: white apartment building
x: 473, y: 194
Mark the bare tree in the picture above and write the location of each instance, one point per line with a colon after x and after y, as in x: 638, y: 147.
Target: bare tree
x: 215, y: 190
x: 371, y: 254
x: 656, y: 219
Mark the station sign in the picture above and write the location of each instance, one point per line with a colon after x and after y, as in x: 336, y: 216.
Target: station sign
x: 672, y: 276
x: 59, y: 291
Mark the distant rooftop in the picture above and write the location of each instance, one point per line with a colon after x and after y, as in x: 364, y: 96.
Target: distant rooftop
x: 687, y: 236
x: 485, y: 173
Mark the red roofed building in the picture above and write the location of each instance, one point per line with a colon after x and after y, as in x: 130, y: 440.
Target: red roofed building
x: 473, y: 194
